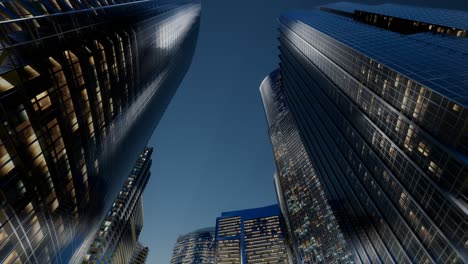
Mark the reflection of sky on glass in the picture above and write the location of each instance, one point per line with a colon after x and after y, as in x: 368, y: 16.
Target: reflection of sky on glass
x: 169, y: 33
x: 212, y: 152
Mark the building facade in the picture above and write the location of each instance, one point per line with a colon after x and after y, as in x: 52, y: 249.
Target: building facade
x: 140, y: 254
x: 197, y: 247
x: 314, y: 233
x: 252, y: 236
x: 379, y: 96
x: 82, y: 86
x: 117, y: 238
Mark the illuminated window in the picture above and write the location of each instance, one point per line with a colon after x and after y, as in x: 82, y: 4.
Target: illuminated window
x: 12, y: 258
x: 5, y: 161
x: 41, y: 101
x: 423, y: 149
x: 404, y: 201
x: 54, y: 205
x: 31, y: 73
x: 419, y: 109
x: 398, y: 125
x: 3, y: 238
x: 5, y: 85
x: 408, y: 139
x: 65, y: 93
x: 435, y: 169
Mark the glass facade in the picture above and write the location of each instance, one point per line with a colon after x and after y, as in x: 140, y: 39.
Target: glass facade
x: 82, y: 86
x: 252, y: 236
x: 117, y: 238
x: 197, y: 247
x: 381, y: 109
x: 314, y: 232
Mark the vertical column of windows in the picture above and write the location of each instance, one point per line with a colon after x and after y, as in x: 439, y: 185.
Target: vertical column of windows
x: 61, y: 83
x: 74, y: 64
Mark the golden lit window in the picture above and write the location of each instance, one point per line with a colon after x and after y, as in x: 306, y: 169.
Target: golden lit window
x: 435, y: 169
x: 5, y: 161
x: 31, y: 73
x: 12, y: 258
x: 42, y: 101
x: 404, y: 200
x: 3, y: 238
x: 5, y: 85
x: 419, y: 108
x: 408, y: 138
x: 456, y: 108
x: 423, y: 149
x: 54, y: 205
x: 56, y: 5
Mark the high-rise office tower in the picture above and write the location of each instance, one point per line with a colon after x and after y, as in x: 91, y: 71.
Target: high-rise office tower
x: 82, y: 86
x: 197, y: 247
x: 251, y: 236
x: 116, y: 240
x: 314, y: 232
x: 379, y: 96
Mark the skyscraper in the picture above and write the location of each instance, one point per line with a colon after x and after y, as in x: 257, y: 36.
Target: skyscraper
x: 251, y: 236
x: 197, y: 247
x: 117, y: 238
x: 379, y: 96
x: 82, y: 86
x: 314, y: 232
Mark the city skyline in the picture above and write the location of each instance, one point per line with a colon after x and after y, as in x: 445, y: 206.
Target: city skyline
x: 226, y: 114
x: 357, y: 136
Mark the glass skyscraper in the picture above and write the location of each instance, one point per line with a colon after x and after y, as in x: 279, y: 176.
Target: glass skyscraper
x: 197, y: 247
x: 117, y: 238
x: 252, y: 236
x: 314, y: 232
x: 82, y: 86
x: 379, y: 97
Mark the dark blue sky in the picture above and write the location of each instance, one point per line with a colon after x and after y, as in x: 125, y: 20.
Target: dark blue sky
x: 212, y: 152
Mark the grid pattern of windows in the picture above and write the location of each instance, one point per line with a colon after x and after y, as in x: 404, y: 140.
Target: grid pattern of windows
x: 401, y: 77
x: 251, y: 236
x: 387, y: 142
x: 116, y: 239
x: 82, y: 86
x: 265, y: 240
x: 314, y: 231
x: 196, y: 247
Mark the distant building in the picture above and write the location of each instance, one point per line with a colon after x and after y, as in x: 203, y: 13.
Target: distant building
x: 251, y: 236
x: 314, y: 232
x: 197, y: 247
x: 117, y: 239
x: 379, y: 95
x: 82, y: 86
